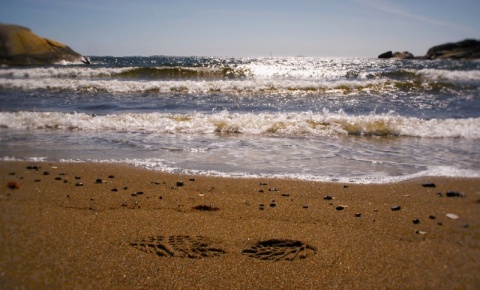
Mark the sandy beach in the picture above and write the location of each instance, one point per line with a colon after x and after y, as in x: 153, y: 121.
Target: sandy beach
x: 105, y: 226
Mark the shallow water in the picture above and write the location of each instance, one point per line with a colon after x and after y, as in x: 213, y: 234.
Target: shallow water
x: 358, y: 120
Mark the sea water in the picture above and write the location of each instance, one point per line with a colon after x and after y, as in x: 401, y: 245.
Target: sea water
x: 330, y: 119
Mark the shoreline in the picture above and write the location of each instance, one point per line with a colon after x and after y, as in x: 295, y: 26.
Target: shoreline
x: 99, y: 225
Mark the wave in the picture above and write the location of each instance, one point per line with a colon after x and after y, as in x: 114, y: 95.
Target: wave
x: 233, y: 86
x: 266, y: 124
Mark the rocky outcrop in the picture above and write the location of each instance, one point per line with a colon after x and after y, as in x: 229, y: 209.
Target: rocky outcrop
x: 400, y: 55
x: 20, y: 46
x: 466, y: 49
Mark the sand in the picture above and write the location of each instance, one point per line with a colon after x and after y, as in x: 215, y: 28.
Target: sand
x: 104, y: 226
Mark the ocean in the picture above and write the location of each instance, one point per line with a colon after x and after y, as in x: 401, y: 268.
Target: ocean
x: 356, y: 120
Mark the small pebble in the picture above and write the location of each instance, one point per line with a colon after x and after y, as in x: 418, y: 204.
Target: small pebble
x: 416, y: 221
x: 160, y: 197
x: 139, y: 192
x: 261, y: 190
x: 327, y: 197
x: 111, y: 176
x: 192, y: 179
x: 285, y: 194
x: 340, y: 207
x: 358, y: 214
x: 465, y: 226
x: 440, y: 223
x: 396, y: 207
x: 11, y: 173
x: 65, y: 181
x: 273, y: 189
x: 78, y: 184
x: 263, y: 183
x: 421, y: 232
x: 345, y: 186
x: 432, y: 217
x: 46, y: 173
x: 305, y: 206
x: 179, y: 183
x: 133, y: 194
x: 452, y: 216
x: 439, y: 194
x: 114, y: 189
x: 125, y: 187
x: 455, y: 194
x: 273, y: 205
x: 78, y: 177
x: 429, y: 184
x: 98, y: 181
x: 37, y: 180
x: 58, y: 178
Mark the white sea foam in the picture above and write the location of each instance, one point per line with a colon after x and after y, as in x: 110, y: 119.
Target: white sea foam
x: 456, y: 75
x: 270, y: 124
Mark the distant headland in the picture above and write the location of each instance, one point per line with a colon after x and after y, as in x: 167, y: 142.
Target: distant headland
x: 462, y: 50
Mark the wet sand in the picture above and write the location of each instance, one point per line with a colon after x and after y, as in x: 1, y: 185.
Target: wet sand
x: 98, y: 226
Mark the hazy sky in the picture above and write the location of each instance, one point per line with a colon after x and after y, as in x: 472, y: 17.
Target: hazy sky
x: 363, y: 28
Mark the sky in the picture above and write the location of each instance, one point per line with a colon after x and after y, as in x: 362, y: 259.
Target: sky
x: 325, y: 28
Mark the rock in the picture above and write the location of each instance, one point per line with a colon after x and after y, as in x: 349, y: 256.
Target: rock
x: 20, y: 46
x: 465, y: 49
x: 403, y: 55
x: 387, y: 54
x: 429, y: 184
x: 397, y: 54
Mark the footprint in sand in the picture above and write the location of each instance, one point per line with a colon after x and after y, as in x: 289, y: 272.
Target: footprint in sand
x: 279, y: 249
x: 193, y: 247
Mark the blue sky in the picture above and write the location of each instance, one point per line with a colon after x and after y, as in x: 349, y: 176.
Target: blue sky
x: 331, y: 28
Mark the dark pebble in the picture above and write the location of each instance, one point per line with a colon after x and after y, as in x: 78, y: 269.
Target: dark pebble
x: 273, y: 189
x: 327, y: 197
x: 261, y: 205
x: 58, y: 178
x: 179, y: 183
x: 114, y: 189
x: 273, y: 205
x: 133, y: 194
x: 126, y: 187
x: 78, y: 184
x: 139, y: 192
x: 99, y: 181
x: 340, y: 207
x: 160, y: 197
x: 396, y: 207
x: 432, y: 217
x: 345, y: 186
x: 455, y: 194
x: 305, y: 206
x: 263, y: 183
x: 111, y: 176
x: 33, y: 167
x: 261, y: 190
x: 358, y: 214
x: 37, y: 180
x: 69, y: 196
x: 78, y: 177
x: 416, y: 221
x: 429, y: 184
x: 11, y: 173
x: 46, y: 173
x: 65, y: 181
x: 286, y: 194
x: 62, y: 173
x: 192, y: 179
x: 465, y: 225
x: 440, y: 223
